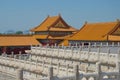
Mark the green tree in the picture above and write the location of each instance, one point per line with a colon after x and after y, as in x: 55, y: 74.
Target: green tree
x: 19, y: 32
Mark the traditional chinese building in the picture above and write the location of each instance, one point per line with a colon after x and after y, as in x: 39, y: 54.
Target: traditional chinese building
x: 16, y: 43
x: 107, y: 33
x: 52, y: 30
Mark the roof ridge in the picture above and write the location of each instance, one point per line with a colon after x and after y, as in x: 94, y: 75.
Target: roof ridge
x: 50, y: 22
x: 116, y: 26
x: 13, y: 35
x: 78, y: 30
x: 102, y: 22
x: 40, y: 23
x: 54, y: 21
x: 60, y: 17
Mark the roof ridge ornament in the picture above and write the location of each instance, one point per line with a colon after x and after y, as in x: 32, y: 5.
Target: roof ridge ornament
x: 48, y: 16
x: 59, y: 15
x: 86, y: 22
x: 118, y: 20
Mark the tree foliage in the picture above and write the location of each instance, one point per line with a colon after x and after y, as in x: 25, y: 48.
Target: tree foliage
x: 19, y: 32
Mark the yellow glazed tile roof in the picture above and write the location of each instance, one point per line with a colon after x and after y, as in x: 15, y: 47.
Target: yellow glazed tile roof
x: 114, y: 38
x: 95, y: 31
x: 62, y: 29
x: 64, y: 42
x: 50, y: 22
x: 40, y: 36
x: 62, y: 37
x: 17, y: 40
x: 49, y: 37
x: 45, y: 24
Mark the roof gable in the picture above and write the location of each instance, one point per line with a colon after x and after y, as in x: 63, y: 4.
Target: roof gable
x: 116, y: 30
x: 95, y: 31
x: 59, y: 24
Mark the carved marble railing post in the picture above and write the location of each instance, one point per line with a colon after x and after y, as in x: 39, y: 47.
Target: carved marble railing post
x: 89, y: 44
x: 118, y: 70
x: 62, y: 45
x: 71, y: 51
x: 76, y: 70
x: 36, y: 63
x: 118, y: 56
x: 108, y: 55
x: 43, y: 64
x: 15, y: 56
x: 69, y: 44
x: 12, y: 54
x: 19, y: 75
x: 86, y: 68
x: 89, y: 50
x: 98, y: 54
x: 64, y: 51
x: 4, y: 54
x: 47, y: 45
x: 50, y: 73
x: 46, y: 50
x: 51, y: 62
x: 31, y: 47
x: 67, y: 67
x: 40, y: 50
x: 113, y: 44
x: 107, y: 44
x: 20, y: 55
x: 30, y: 57
x: 101, y: 44
x: 118, y: 44
x: 58, y: 50
x: 118, y: 64
x: 76, y: 45
x: 80, y: 49
x: 82, y: 44
x: 55, y: 45
x: 98, y: 71
x: 95, y: 44
x: 58, y: 67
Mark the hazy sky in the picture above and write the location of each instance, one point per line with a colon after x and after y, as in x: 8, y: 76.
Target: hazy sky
x: 26, y: 14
